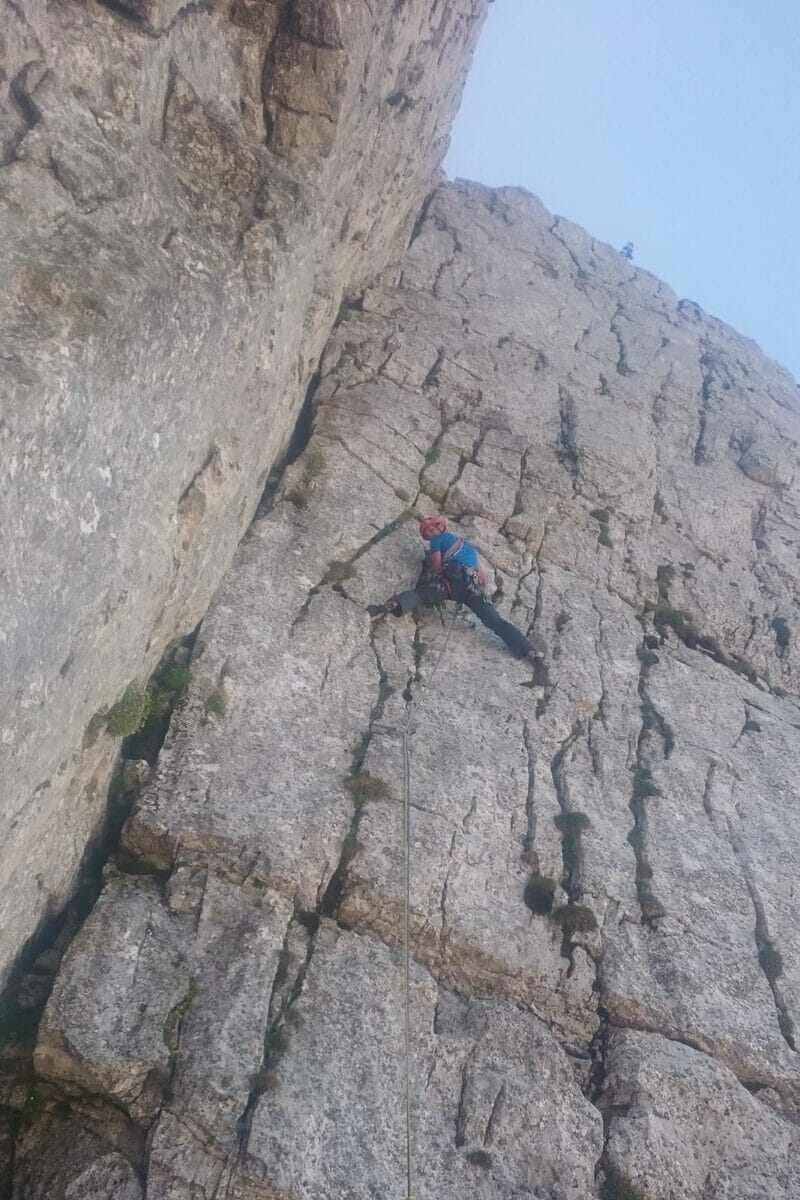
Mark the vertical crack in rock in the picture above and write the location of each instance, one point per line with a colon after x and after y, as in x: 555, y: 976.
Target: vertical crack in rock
x: 644, y: 791
x: 601, y: 650
x: 495, y: 1115
x: 567, y: 445
x: 700, y: 454
x: 443, y: 928
x: 708, y: 788
x: 540, y: 573
x: 759, y: 527
x: 283, y: 31
x: 518, y: 604
x: 419, y: 223
x: 598, y: 1052
x: 461, y: 1109
x: 529, y: 842
x: 520, y: 492
x: 41, y: 957
x: 464, y: 459
x: 780, y: 627
x: 571, y: 823
x: 622, y: 366
x: 281, y: 1017
x: 415, y: 676
x: 769, y: 956
x: 433, y: 377
x: 298, y: 442
x: 28, y: 110
x: 442, y: 225
x: 574, y: 917
x: 660, y: 409
x: 169, y: 92
x: 332, y: 897
x: 431, y: 382
x: 581, y: 276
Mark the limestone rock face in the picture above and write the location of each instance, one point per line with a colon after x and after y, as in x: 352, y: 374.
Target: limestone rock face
x: 72, y: 1164
x: 503, y: 1113
x: 681, y: 1124
x: 186, y: 192
x: 605, y: 982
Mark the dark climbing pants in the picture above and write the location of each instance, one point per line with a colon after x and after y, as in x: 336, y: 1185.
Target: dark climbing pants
x: 428, y: 595
x: 516, y: 641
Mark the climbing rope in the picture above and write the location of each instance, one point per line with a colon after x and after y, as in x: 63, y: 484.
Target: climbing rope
x: 407, y: 951
x: 406, y: 730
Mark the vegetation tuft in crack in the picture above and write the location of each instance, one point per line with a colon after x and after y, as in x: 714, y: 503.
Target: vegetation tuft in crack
x: 575, y: 918
x: 539, y: 894
x: 300, y: 493
x: 480, y: 1158
x: 366, y: 787
x: 216, y: 702
x: 130, y: 712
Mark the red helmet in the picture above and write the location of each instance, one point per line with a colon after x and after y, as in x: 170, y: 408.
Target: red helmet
x: 430, y: 525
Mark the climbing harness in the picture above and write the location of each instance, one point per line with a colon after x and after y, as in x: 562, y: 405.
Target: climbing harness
x: 475, y: 578
x: 406, y: 730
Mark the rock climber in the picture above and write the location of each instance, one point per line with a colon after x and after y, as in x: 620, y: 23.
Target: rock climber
x: 453, y: 571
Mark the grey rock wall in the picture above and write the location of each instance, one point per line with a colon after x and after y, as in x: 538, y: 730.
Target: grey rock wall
x: 186, y: 192
x: 606, y: 978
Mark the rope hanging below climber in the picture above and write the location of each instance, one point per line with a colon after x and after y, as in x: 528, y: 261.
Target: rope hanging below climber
x: 451, y: 570
x: 406, y: 730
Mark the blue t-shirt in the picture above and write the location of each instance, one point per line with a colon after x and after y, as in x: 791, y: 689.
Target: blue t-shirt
x: 467, y: 555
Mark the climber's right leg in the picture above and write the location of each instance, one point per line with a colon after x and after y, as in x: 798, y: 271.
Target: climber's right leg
x: 422, y: 596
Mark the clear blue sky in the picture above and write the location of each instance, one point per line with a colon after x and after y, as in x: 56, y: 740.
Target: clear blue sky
x: 672, y: 124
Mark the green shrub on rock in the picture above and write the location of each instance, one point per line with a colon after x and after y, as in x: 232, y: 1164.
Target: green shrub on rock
x: 575, y: 918
x: 216, y: 703
x: 175, y: 680
x: 130, y: 712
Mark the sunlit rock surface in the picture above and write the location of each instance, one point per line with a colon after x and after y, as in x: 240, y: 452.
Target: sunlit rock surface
x: 605, y: 931
x: 186, y: 192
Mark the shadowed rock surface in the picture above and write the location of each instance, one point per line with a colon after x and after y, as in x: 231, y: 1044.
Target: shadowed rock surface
x: 604, y: 914
x: 187, y: 190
